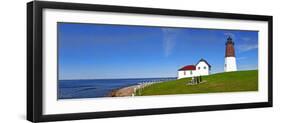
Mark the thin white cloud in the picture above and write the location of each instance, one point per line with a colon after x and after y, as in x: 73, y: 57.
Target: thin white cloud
x: 241, y: 58
x: 169, y: 40
x: 248, y: 67
x: 248, y: 44
x: 247, y: 47
x: 229, y: 34
x: 246, y: 39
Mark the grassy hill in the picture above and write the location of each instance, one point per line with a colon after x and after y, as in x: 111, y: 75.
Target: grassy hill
x: 221, y: 82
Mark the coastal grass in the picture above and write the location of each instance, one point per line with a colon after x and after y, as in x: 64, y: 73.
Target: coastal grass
x: 220, y: 82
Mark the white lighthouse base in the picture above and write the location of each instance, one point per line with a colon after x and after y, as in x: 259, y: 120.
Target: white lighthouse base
x: 230, y: 64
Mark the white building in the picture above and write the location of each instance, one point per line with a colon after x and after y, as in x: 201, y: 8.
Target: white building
x: 230, y: 60
x: 202, y: 68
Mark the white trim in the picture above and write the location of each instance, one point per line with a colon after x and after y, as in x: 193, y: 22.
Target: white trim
x: 52, y: 106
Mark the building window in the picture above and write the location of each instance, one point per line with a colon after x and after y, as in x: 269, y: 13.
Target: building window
x: 198, y: 68
x: 205, y: 67
x: 183, y: 72
x: 191, y: 72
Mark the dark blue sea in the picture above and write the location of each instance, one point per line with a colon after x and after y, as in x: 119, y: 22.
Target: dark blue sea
x: 92, y: 88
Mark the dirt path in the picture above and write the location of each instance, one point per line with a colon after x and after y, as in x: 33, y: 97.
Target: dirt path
x: 127, y: 91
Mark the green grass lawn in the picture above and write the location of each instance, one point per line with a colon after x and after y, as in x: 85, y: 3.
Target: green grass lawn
x: 221, y: 82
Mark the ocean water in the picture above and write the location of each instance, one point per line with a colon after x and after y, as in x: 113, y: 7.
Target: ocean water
x: 93, y: 88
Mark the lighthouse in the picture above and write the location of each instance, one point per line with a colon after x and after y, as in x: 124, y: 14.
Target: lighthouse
x: 230, y: 60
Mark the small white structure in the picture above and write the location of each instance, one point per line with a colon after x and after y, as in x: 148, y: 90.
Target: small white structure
x: 202, y: 68
x: 230, y: 60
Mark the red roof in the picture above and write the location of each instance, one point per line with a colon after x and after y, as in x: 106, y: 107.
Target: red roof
x: 188, y: 67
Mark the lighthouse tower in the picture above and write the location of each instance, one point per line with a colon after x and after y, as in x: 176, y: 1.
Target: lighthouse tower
x: 230, y: 60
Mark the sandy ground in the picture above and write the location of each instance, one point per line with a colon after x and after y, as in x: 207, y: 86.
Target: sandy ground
x: 126, y: 91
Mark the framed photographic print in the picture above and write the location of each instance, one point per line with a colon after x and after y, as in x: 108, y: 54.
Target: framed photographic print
x: 95, y: 61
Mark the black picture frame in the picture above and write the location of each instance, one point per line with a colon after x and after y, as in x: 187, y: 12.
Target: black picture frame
x: 35, y: 69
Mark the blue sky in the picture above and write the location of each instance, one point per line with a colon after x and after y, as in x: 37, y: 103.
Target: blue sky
x: 96, y: 51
